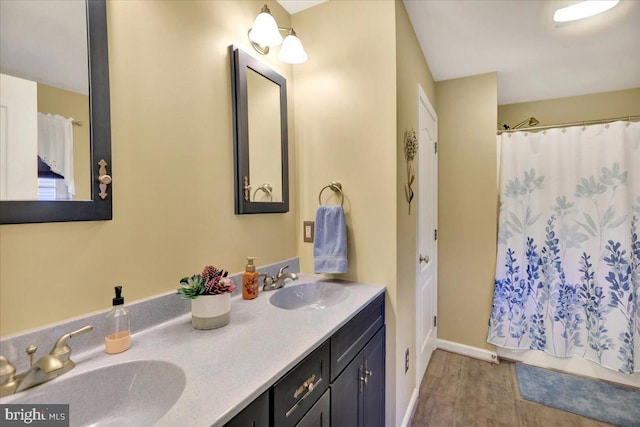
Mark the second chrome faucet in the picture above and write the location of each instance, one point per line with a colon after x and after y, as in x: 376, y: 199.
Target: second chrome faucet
x: 270, y: 283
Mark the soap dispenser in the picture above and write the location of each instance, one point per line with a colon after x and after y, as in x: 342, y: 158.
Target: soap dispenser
x: 250, y: 280
x: 118, y: 337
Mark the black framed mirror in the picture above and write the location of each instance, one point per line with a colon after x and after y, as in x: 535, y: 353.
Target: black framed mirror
x: 99, y: 205
x: 259, y: 98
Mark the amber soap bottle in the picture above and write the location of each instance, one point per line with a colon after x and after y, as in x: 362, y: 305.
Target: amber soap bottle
x: 250, y: 280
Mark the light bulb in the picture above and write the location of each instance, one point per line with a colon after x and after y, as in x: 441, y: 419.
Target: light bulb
x: 292, y: 51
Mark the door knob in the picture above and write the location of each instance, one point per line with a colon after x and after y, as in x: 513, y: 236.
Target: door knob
x: 424, y: 259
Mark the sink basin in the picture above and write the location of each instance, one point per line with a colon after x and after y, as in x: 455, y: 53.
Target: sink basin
x: 128, y: 394
x: 315, y: 296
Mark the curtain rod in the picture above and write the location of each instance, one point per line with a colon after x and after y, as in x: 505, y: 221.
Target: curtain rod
x: 562, y: 125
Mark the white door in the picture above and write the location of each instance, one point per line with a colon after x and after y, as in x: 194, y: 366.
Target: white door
x: 427, y: 248
x: 18, y: 139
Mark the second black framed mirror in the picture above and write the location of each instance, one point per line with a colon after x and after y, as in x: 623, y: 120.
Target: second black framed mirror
x: 259, y: 98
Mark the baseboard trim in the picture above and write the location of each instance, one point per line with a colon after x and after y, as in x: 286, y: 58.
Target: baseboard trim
x: 467, y: 350
x: 412, y: 407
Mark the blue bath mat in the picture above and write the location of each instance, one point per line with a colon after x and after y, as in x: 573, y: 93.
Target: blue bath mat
x: 599, y: 400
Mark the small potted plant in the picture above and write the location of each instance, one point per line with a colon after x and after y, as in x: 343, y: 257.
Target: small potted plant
x: 210, y: 295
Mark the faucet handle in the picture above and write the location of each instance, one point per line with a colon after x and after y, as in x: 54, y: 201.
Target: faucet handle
x: 267, y: 282
x: 31, y: 351
x: 61, y: 349
x: 281, y: 271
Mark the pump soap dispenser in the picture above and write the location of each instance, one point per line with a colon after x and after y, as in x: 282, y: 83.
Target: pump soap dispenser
x: 250, y: 280
x: 118, y: 337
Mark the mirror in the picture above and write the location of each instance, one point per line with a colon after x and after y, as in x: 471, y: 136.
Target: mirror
x: 66, y: 85
x: 260, y: 136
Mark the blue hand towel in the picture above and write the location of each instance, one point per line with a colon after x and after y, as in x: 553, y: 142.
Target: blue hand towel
x: 330, y: 242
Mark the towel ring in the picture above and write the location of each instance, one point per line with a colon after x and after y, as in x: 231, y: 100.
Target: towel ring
x: 267, y: 188
x: 334, y: 186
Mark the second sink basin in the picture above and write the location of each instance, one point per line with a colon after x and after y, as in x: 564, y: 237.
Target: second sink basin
x: 134, y: 393
x: 314, y: 295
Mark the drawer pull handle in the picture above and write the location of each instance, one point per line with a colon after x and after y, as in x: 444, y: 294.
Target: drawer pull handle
x: 308, y: 385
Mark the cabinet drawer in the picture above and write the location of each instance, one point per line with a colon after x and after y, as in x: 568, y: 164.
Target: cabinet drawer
x: 319, y: 414
x: 351, y: 338
x: 254, y: 415
x: 298, y: 390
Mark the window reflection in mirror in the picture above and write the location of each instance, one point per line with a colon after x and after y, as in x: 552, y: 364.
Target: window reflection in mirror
x: 265, y: 154
x: 44, y: 105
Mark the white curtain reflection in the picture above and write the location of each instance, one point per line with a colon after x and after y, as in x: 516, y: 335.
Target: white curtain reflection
x: 55, y: 146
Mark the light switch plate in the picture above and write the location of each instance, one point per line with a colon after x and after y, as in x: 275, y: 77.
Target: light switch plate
x: 308, y: 229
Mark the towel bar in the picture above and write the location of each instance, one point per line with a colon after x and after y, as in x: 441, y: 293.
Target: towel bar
x: 334, y: 186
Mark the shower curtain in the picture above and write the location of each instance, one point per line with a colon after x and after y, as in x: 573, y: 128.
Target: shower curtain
x: 568, y: 269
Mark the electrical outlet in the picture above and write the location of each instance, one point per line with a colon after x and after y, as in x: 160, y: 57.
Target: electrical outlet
x: 308, y: 231
x: 406, y: 361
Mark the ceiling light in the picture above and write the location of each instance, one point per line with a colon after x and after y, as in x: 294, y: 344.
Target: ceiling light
x: 265, y: 33
x: 292, y: 51
x: 582, y: 10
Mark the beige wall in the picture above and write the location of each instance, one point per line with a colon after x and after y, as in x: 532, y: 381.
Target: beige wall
x: 172, y: 171
x: 53, y: 100
x: 346, y: 131
x: 467, y: 211
x: 411, y: 70
x: 575, y: 108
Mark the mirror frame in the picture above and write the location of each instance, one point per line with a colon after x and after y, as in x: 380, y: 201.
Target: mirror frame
x: 240, y: 63
x: 96, y: 209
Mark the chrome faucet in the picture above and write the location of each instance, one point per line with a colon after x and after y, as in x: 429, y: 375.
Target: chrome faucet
x: 46, y: 368
x: 271, y: 283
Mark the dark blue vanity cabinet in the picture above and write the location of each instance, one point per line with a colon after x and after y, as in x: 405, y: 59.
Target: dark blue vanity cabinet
x: 296, y: 392
x: 358, y: 370
x: 254, y: 415
x: 340, y: 384
x: 319, y: 415
x: 357, y: 395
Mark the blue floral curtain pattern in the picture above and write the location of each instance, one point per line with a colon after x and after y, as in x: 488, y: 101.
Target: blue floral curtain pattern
x: 568, y: 273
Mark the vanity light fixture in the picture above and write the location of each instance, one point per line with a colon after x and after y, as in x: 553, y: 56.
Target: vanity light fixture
x: 265, y: 33
x: 292, y: 51
x: 583, y: 9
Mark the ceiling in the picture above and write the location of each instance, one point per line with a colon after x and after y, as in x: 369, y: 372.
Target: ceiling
x: 535, y: 58
x: 46, y: 42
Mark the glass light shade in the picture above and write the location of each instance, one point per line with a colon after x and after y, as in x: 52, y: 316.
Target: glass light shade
x: 583, y: 10
x: 292, y: 51
x: 265, y: 30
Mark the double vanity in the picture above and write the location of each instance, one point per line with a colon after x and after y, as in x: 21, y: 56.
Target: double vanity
x: 306, y: 354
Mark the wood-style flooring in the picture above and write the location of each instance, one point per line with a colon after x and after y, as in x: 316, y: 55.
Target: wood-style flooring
x: 459, y: 391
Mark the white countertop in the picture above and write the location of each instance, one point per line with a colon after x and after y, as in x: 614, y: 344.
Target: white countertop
x: 227, y: 368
